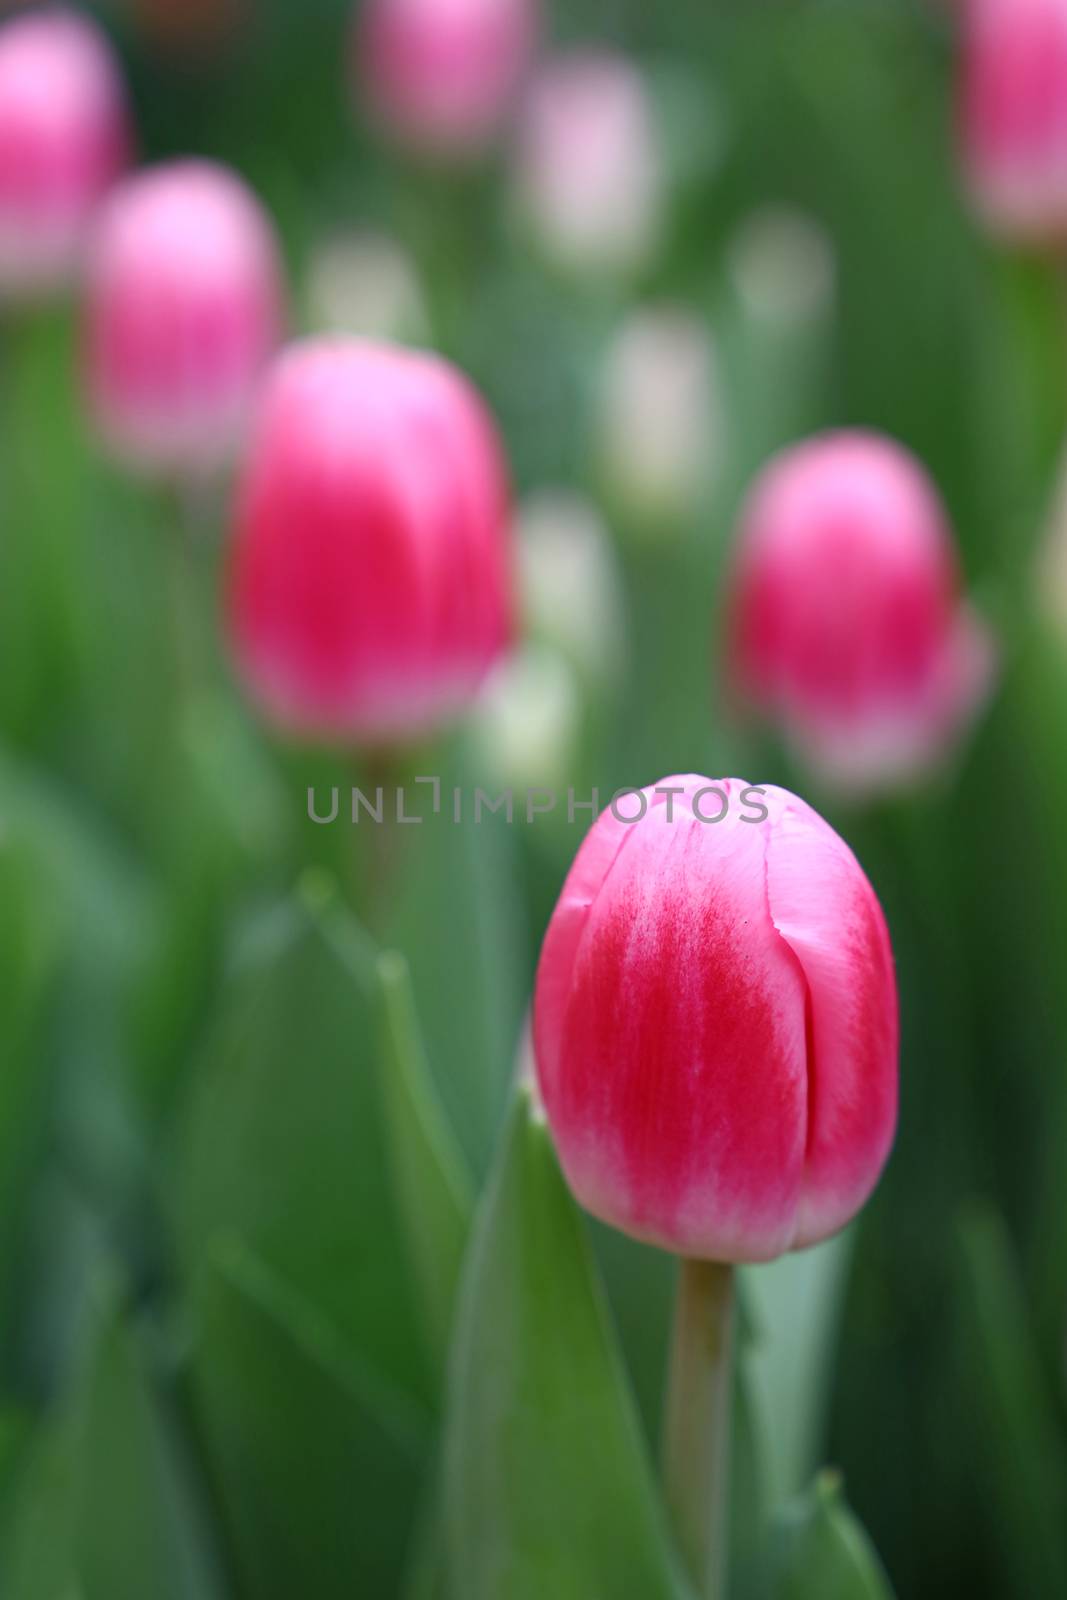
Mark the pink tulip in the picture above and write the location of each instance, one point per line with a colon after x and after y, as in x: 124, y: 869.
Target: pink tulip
x: 1014, y: 115
x: 369, y: 583
x: 184, y: 310
x: 590, y: 179
x: 715, y: 1023
x: 847, y: 621
x: 441, y: 73
x: 63, y: 141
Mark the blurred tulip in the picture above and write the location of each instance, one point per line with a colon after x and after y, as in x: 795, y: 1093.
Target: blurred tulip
x: 528, y: 722
x: 782, y: 266
x: 63, y: 140
x: 1014, y: 116
x: 715, y: 1023
x: 660, y: 422
x: 590, y: 179
x: 184, y: 310
x: 365, y: 285
x: 847, y: 620
x: 570, y: 584
x: 369, y: 589
x: 440, y: 74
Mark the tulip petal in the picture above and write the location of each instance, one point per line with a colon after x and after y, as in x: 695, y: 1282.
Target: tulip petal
x: 670, y: 1037
x: 839, y: 937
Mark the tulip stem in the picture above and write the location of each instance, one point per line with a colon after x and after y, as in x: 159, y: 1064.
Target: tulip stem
x: 696, y: 1464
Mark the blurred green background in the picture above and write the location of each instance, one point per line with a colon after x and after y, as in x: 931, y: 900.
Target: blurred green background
x: 215, y: 1375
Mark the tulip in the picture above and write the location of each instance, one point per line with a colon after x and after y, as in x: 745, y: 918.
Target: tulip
x: 184, y: 311
x: 369, y: 583
x: 528, y: 722
x: 660, y: 417
x: 715, y: 1023
x: 441, y: 74
x: 570, y: 585
x: 1014, y: 116
x: 589, y: 178
x: 365, y: 284
x: 847, y: 622
x: 63, y: 141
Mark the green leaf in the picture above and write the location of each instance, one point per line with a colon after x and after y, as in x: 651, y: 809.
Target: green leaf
x: 29, y: 954
x: 1021, y: 1450
x: 455, y: 913
x: 36, y: 1555
x: 432, y: 1186
x: 108, y: 1507
x: 283, y: 1141
x: 140, y: 1526
x: 795, y: 1305
x: 547, y: 1485
x: 315, y: 1457
x: 820, y: 1552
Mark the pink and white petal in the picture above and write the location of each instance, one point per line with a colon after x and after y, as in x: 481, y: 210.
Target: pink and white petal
x: 826, y: 911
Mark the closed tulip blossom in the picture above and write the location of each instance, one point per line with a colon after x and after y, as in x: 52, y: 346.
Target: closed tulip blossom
x: 441, y: 74
x: 589, y: 176
x: 1014, y: 116
x: 847, y: 622
x: 369, y: 584
x: 660, y: 418
x: 185, y: 308
x: 63, y: 141
x: 715, y: 1023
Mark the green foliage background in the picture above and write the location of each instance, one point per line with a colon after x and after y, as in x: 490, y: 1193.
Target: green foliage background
x: 240, y: 1155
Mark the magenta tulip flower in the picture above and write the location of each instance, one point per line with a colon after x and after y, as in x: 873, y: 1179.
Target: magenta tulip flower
x: 847, y: 622
x: 63, y: 141
x: 715, y: 1023
x: 1014, y: 116
x: 184, y: 311
x: 370, y: 584
x: 441, y: 74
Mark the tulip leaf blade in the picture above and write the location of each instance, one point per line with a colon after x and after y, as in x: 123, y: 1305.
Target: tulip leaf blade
x: 1023, y: 1455
x: 820, y: 1551
x: 108, y: 1501
x: 282, y: 1144
x: 546, y: 1480
x: 316, y: 1458
x: 432, y: 1187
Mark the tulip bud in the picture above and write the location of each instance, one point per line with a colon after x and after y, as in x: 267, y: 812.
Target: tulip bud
x: 63, y: 141
x: 1014, y: 116
x: 184, y: 310
x: 847, y: 620
x: 590, y: 174
x: 365, y: 285
x: 440, y: 74
x: 570, y: 584
x: 660, y: 421
x: 528, y: 720
x: 369, y: 584
x: 715, y: 1022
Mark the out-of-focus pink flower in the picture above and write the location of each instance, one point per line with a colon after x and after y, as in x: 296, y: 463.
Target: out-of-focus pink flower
x: 847, y: 621
x: 589, y: 177
x: 184, y: 310
x: 441, y: 74
x: 1014, y: 115
x: 63, y: 141
x: 715, y: 1022
x: 370, y: 586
